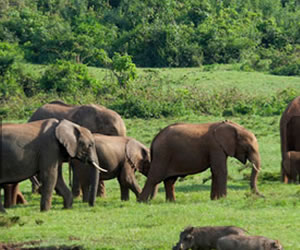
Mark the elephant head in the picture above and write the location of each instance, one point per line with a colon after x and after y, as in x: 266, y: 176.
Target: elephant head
x: 138, y: 156
x: 79, y: 143
x: 241, y: 144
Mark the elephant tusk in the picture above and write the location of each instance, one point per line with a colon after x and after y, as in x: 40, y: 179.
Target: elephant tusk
x: 100, y: 169
x: 258, y: 170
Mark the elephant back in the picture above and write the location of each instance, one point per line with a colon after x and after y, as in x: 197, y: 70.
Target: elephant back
x: 98, y: 119
x: 55, y: 109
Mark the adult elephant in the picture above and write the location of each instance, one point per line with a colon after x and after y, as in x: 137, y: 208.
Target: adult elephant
x: 289, y: 133
x: 183, y: 149
x: 38, y: 148
x: 121, y: 157
x: 96, y: 118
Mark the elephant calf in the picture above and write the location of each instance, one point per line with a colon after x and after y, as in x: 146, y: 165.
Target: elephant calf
x: 242, y: 242
x: 121, y: 157
x: 291, y: 165
x: 204, y: 237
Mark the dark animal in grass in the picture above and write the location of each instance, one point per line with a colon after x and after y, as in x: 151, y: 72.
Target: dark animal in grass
x: 204, y: 238
x: 243, y: 242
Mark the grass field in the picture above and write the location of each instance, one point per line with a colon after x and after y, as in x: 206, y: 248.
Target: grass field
x: 113, y: 224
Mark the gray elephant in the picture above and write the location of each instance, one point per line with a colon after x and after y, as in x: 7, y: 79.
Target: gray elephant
x: 204, y: 238
x: 182, y: 149
x: 242, y: 242
x: 291, y: 165
x: 38, y: 148
x: 121, y: 157
x: 96, y: 118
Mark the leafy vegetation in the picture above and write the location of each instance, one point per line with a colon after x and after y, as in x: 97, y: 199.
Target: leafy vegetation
x: 214, y: 90
x: 156, y: 33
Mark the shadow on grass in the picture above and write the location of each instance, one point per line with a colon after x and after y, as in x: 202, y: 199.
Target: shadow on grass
x: 199, y: 187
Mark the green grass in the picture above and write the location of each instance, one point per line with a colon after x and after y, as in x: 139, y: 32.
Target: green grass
x: 113, y: 224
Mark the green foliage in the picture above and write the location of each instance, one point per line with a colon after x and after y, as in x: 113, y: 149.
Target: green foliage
x: 123, y: 68
x: 65, y: 77
x: 155, y: 33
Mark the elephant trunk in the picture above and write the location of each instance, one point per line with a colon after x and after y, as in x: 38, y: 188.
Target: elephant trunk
x: 94, y: 178
x: 255, y: 160
x: 94, y: 181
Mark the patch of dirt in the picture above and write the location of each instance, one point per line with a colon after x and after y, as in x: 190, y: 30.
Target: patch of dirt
x: 32, y: 245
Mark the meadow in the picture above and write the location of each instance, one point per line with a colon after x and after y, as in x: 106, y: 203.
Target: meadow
x: 113, y: 224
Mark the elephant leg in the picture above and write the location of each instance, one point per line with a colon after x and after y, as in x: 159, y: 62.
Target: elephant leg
x: 170, y: 188
x: 154, y: 192
x: 219, y: 178
x: 18, y: 196
x: 2, y: 210
x: 124, y: 192
x: 76, y: 186
x: 284, y: 177
x: 62, y: 189
x: 48, y: 180
x: 8, y: 195
x: 85, y: 193
x: 127, y: 180
x: 101, y: 189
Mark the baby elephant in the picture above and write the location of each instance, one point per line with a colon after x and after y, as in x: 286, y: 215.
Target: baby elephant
x: 291, y: 165
x: 242, y: 242
x: 204, y: 238
x: 121, y: 157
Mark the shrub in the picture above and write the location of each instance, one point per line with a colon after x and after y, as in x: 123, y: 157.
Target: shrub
x: 68, y: 77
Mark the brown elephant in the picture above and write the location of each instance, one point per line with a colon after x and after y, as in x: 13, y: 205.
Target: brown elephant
x: 39, y: 148
x: 291, y: 165
x: 182, y: 149
x: 289, y: 132
x: 12, y: 195
x: 96, y: 118
x: 121, y: 157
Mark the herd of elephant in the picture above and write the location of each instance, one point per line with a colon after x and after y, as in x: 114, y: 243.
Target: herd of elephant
x: 93, y: 140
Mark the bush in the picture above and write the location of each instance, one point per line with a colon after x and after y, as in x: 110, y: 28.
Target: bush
x: 67, y: 77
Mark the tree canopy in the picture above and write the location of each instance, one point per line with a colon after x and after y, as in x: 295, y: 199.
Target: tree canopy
x: 156, y: 33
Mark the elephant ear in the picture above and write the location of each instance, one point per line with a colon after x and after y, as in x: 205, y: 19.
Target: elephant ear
x: 226, y: 137
x: 67, y: 133
x: 135, y: 152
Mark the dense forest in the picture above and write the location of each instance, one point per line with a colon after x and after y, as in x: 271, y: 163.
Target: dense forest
x: 156, y: 33
x: 120, y: 35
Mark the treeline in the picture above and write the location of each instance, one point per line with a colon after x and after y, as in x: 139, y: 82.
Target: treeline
x: 259, y: 34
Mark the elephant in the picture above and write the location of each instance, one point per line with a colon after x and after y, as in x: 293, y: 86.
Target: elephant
x: 205, y: 237
x: 291, y: 165
x: 96, y: 118
x: 12, y: 195
x: 182, y: 149
x: 121, y: 157
x: 38, y: 148
x: 289, y: 132
x: 243, y: 242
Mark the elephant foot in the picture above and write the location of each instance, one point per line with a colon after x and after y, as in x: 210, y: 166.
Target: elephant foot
x: 68, y: 203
